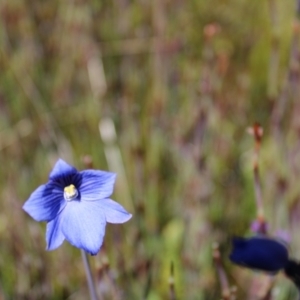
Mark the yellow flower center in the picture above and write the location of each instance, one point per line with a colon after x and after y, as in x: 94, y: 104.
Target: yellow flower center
x: 70, y: 192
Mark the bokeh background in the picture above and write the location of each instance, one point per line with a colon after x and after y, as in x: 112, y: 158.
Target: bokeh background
x: 161, y: 92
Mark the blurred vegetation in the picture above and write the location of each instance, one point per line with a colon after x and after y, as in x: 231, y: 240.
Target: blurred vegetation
x: 179, y: 81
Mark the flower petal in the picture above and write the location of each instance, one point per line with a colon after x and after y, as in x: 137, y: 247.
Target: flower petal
x: 45, y: 202
x: 259, y: 253
x: 54, y: 235
x: 83, y: 224
x: 96, y: 185
x: 114, y: 212
x: 61, y: 168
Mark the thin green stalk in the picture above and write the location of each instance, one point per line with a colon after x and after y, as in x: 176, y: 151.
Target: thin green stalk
x: 89, y: 276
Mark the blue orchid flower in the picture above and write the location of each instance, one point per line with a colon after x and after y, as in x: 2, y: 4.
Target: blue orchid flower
x: 260, y: 253
x: 76, y: 206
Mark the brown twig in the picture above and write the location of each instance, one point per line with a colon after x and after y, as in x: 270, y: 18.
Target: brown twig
x: 226, y: 293
x: 257, y: 132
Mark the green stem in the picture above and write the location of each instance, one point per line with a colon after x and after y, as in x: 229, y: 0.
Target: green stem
x: 89, y: 276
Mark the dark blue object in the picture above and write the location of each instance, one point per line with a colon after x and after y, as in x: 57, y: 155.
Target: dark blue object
x: 260, y: 253
x: 292, y: 271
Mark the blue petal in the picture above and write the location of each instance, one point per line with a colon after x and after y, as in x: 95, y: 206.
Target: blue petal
x: 61, y: 168
x: 114, y: 212
x: 83, y: 225
x: 45, y: 202
x: 259, y: 253
x: 54, y: 235
x: 96, y: 185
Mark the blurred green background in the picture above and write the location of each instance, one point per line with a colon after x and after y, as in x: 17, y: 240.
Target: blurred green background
x: 162, y: 93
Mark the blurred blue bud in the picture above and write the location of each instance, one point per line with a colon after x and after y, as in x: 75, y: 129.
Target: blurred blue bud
x: 260, y: 253
x: 76, y: 206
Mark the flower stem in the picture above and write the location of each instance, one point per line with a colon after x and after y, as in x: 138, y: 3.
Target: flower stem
x: 89, y: 276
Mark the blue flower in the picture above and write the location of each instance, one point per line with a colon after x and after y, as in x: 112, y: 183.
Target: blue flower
x: 76, y: 206
x: 260, y: 253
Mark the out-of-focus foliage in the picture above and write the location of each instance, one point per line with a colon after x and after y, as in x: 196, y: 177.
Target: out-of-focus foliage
x: 181, y: 81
